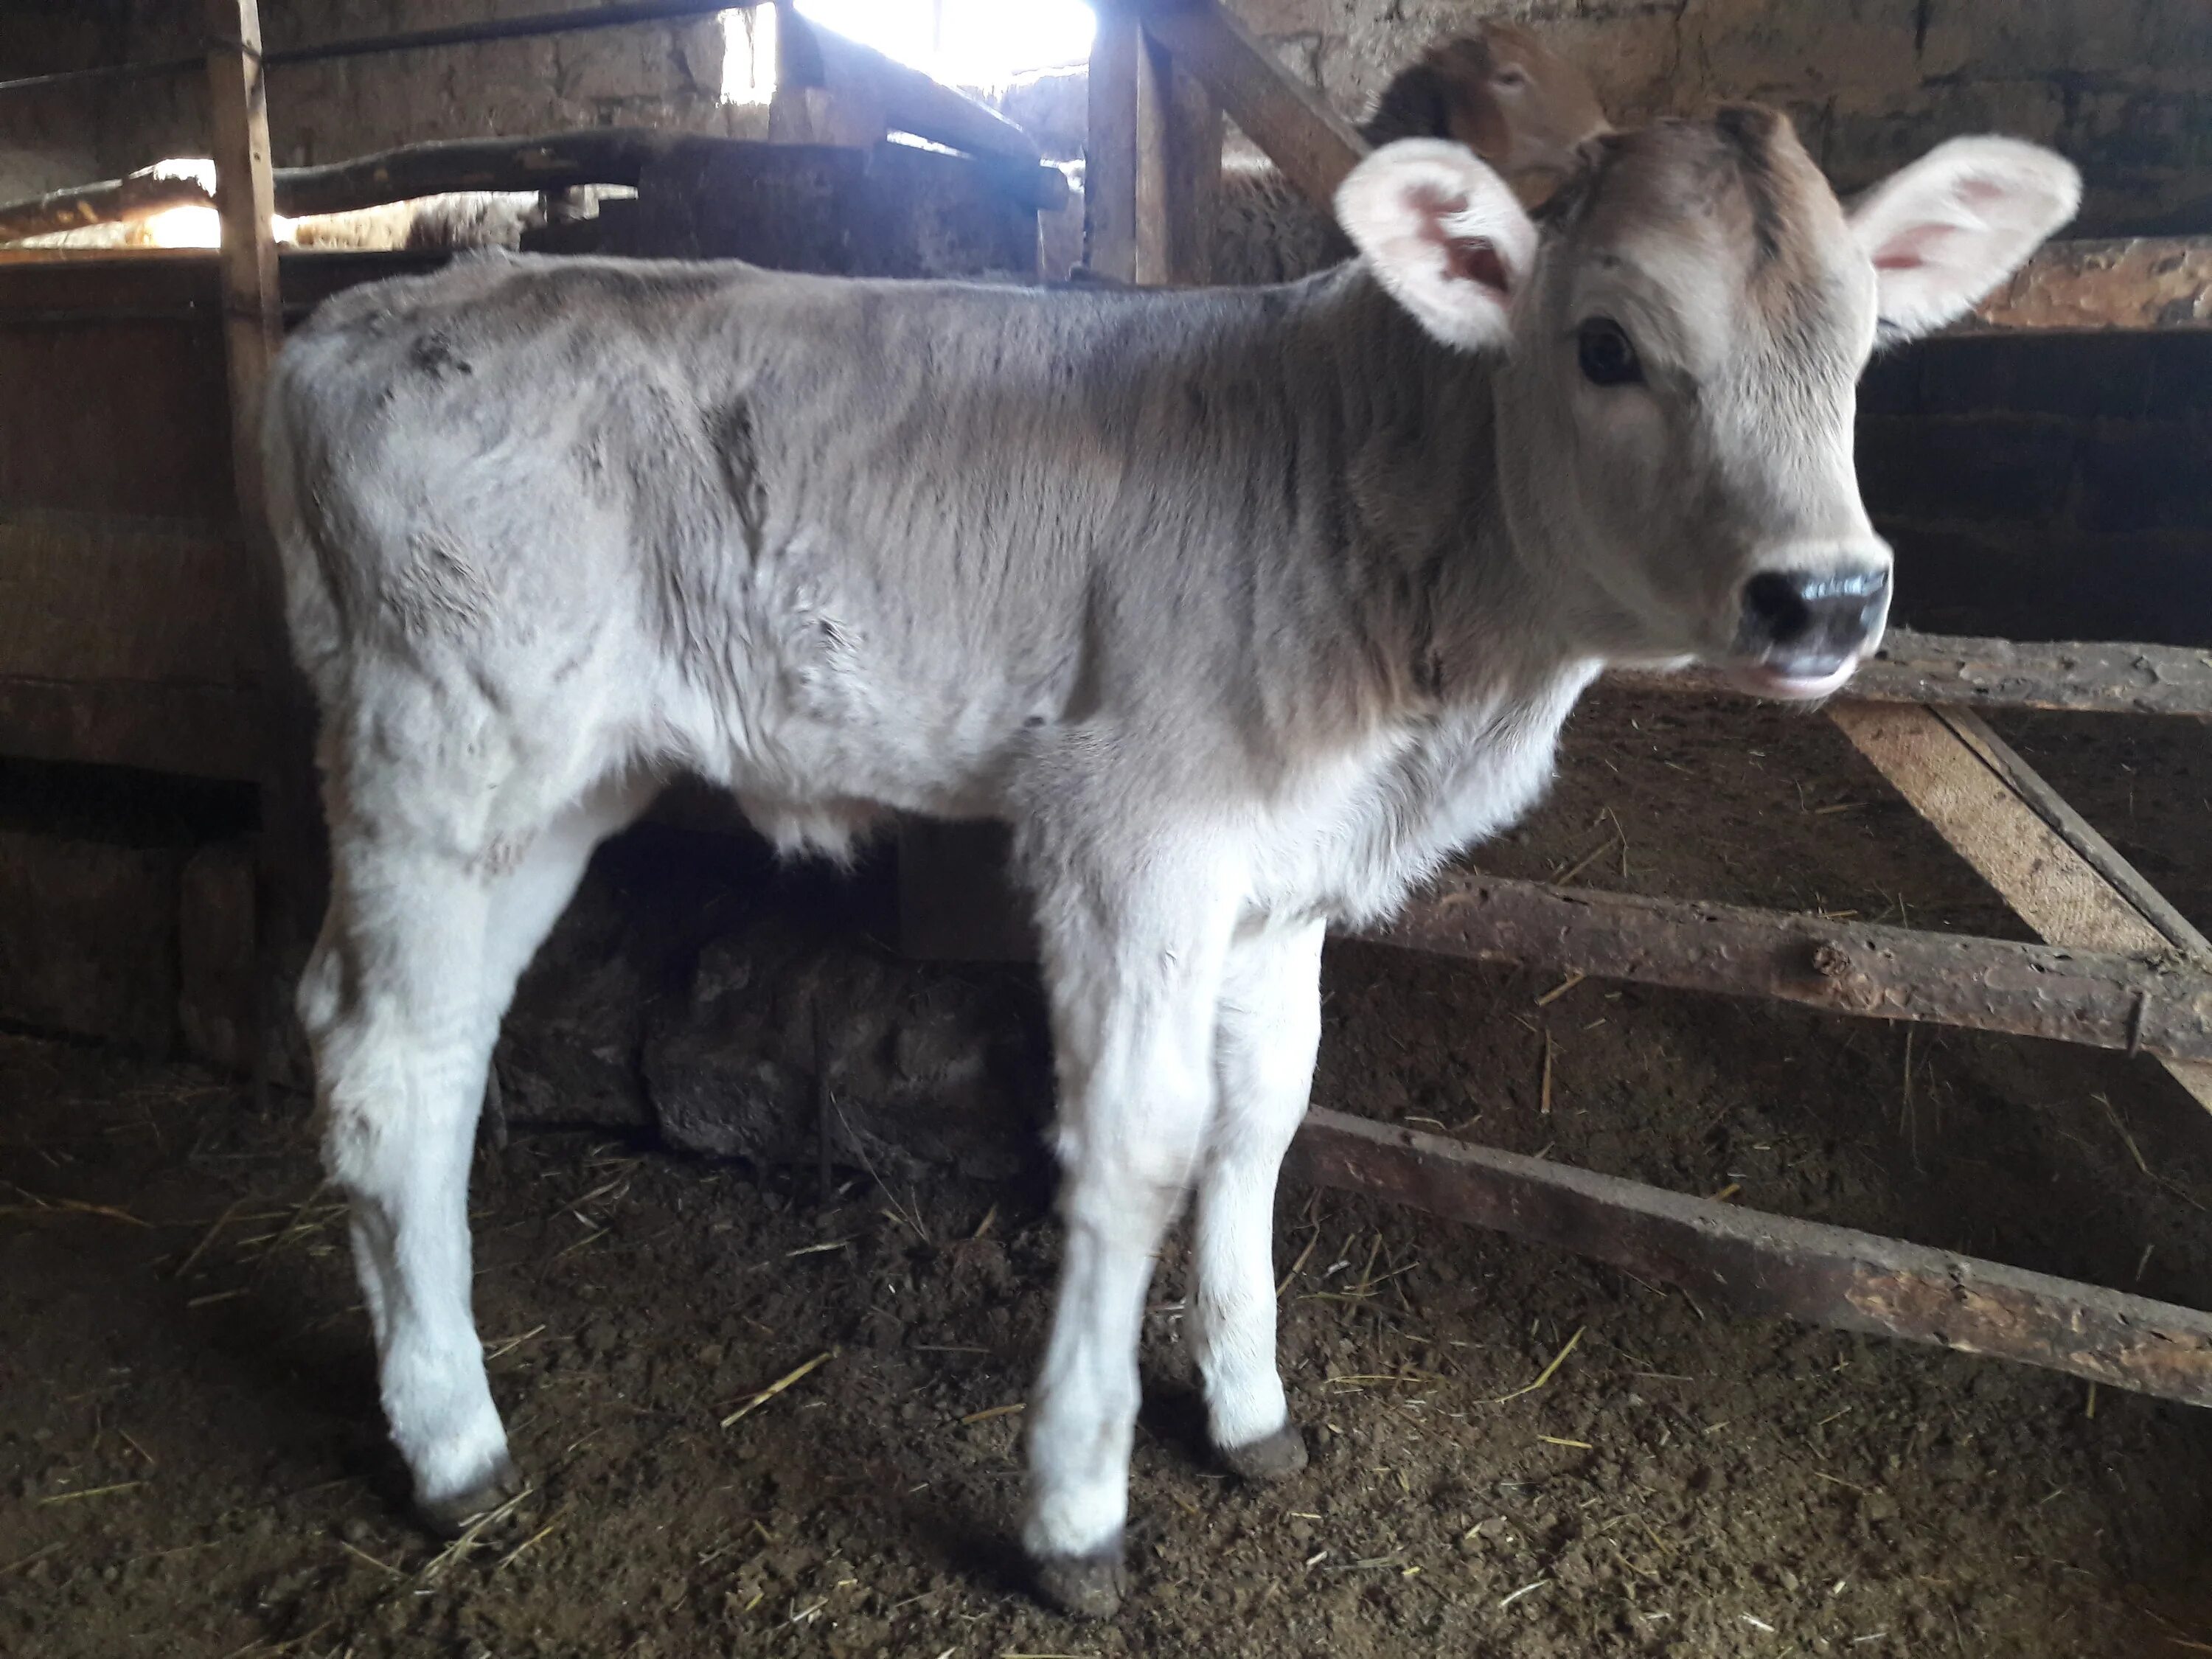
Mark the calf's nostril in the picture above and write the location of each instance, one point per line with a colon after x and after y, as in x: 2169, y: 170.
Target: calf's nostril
x: 1775, y: 605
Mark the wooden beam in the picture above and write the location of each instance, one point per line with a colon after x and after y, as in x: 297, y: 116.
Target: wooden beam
x: 187, y: 730
x: 92, y: 598
x: 289, y: 855
x: 252, y: 307
x: 1179, y: 128
x: 549, y: 161
x: 1290, y: 121
x: 1155, y: 190
x: 1772, y: 1266
x: 2070, y: 827
x: 1981, y: 811
x: 1110, y: 171
x: 2092, y: 679
x: 2138, y: 283
x: 901, y: 99
x: 2104, y: 999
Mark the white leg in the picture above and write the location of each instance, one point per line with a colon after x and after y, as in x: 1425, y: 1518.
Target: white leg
x: 402, y: 1001
x: 1133, y: 1013
x: 1267, y: 1026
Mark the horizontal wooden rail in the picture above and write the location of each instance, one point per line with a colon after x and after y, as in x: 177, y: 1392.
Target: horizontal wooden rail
x: 555, y: 160
x: 2102, y: 999
x: 1773, y: 1266
x: 626, y: 14
x: 2093, y: 678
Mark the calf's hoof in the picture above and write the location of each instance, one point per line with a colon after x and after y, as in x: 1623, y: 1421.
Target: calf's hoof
x: 1271, y: 1457
x: 449, y: 1517
x: 1088, y: 1586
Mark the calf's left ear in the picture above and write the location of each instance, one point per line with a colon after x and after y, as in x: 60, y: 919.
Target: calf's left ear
x: 1443, y: 234
x: 1947, y: 229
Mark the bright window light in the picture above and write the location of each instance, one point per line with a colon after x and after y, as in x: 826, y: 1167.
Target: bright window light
x: 963, y: 43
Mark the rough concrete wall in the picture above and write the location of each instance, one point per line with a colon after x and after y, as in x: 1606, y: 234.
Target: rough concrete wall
x: 661, y: 75
x: 2123, y: 86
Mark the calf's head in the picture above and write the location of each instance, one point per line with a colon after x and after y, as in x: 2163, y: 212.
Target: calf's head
x: 1681, y: 336
x: 1505, y: 95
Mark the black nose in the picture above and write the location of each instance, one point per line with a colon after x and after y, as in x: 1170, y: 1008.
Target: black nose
x: 1813, y: 615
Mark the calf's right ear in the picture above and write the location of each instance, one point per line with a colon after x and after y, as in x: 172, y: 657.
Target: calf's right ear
x: 1443, y: 234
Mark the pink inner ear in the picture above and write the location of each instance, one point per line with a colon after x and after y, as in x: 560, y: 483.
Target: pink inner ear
x: 1437, y: 203
x: 1472, y: 259
x: 1908, y: 250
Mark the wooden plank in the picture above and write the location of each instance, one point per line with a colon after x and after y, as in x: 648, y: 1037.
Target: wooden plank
x: 1291, y: 123
x: 2052, y: 887
x: 903, y: 99
x: 2104, y: 999
x: 548, y: 162
x: 620, y: 15
x: 956, y: 904
x: 1178, y: 173
x: 252, y: 308
x: 91, y: 598
x: 1155, y: 79
x: 191, y: 730
x: 2136, y: 283
x: 2076, y: 831
x: 109, y: 386
x: 88, y: 947
x: 289, y: 850
x: 2086, y: 677
x: 1109, y: 178
x: 1773, y: 1266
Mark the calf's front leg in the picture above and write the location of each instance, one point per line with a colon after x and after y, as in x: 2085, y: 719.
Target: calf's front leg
x: 1133, y: 1017
x: 1267, y: 1027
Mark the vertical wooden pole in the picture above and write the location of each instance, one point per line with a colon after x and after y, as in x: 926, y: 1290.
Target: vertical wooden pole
x: 1154, y: 89
x: 252, y: 311
x: 1109, y: 178
x: 1179, y: 130
x: 288, y: 871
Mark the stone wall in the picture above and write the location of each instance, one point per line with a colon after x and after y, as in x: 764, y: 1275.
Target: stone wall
x: 2123, y: 86
x: 668, y: 75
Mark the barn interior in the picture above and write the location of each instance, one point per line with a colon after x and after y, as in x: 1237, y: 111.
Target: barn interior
x: 1712, y: 1306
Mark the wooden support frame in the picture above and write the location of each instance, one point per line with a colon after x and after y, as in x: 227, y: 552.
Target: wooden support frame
x: 1774, y: 1266
x: 1295, y: 127
x: 288, y: 860
x: 2147, y: 1001
x: 1983, y: 803
x: 2081, y: 678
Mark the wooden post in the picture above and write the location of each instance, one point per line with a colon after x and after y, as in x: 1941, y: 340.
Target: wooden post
x: 1109, y: 178
x: 289, y: 867
x: 1179, y: 130
x: 246, y: 195
x: 1292, y: 123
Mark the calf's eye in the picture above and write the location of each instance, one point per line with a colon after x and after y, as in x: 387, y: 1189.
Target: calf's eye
x: 1607, y: 354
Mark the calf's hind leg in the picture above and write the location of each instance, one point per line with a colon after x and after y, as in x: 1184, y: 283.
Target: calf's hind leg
x: 402, y: 1001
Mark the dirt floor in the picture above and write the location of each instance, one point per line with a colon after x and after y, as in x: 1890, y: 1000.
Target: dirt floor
x: 191, y: 1463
